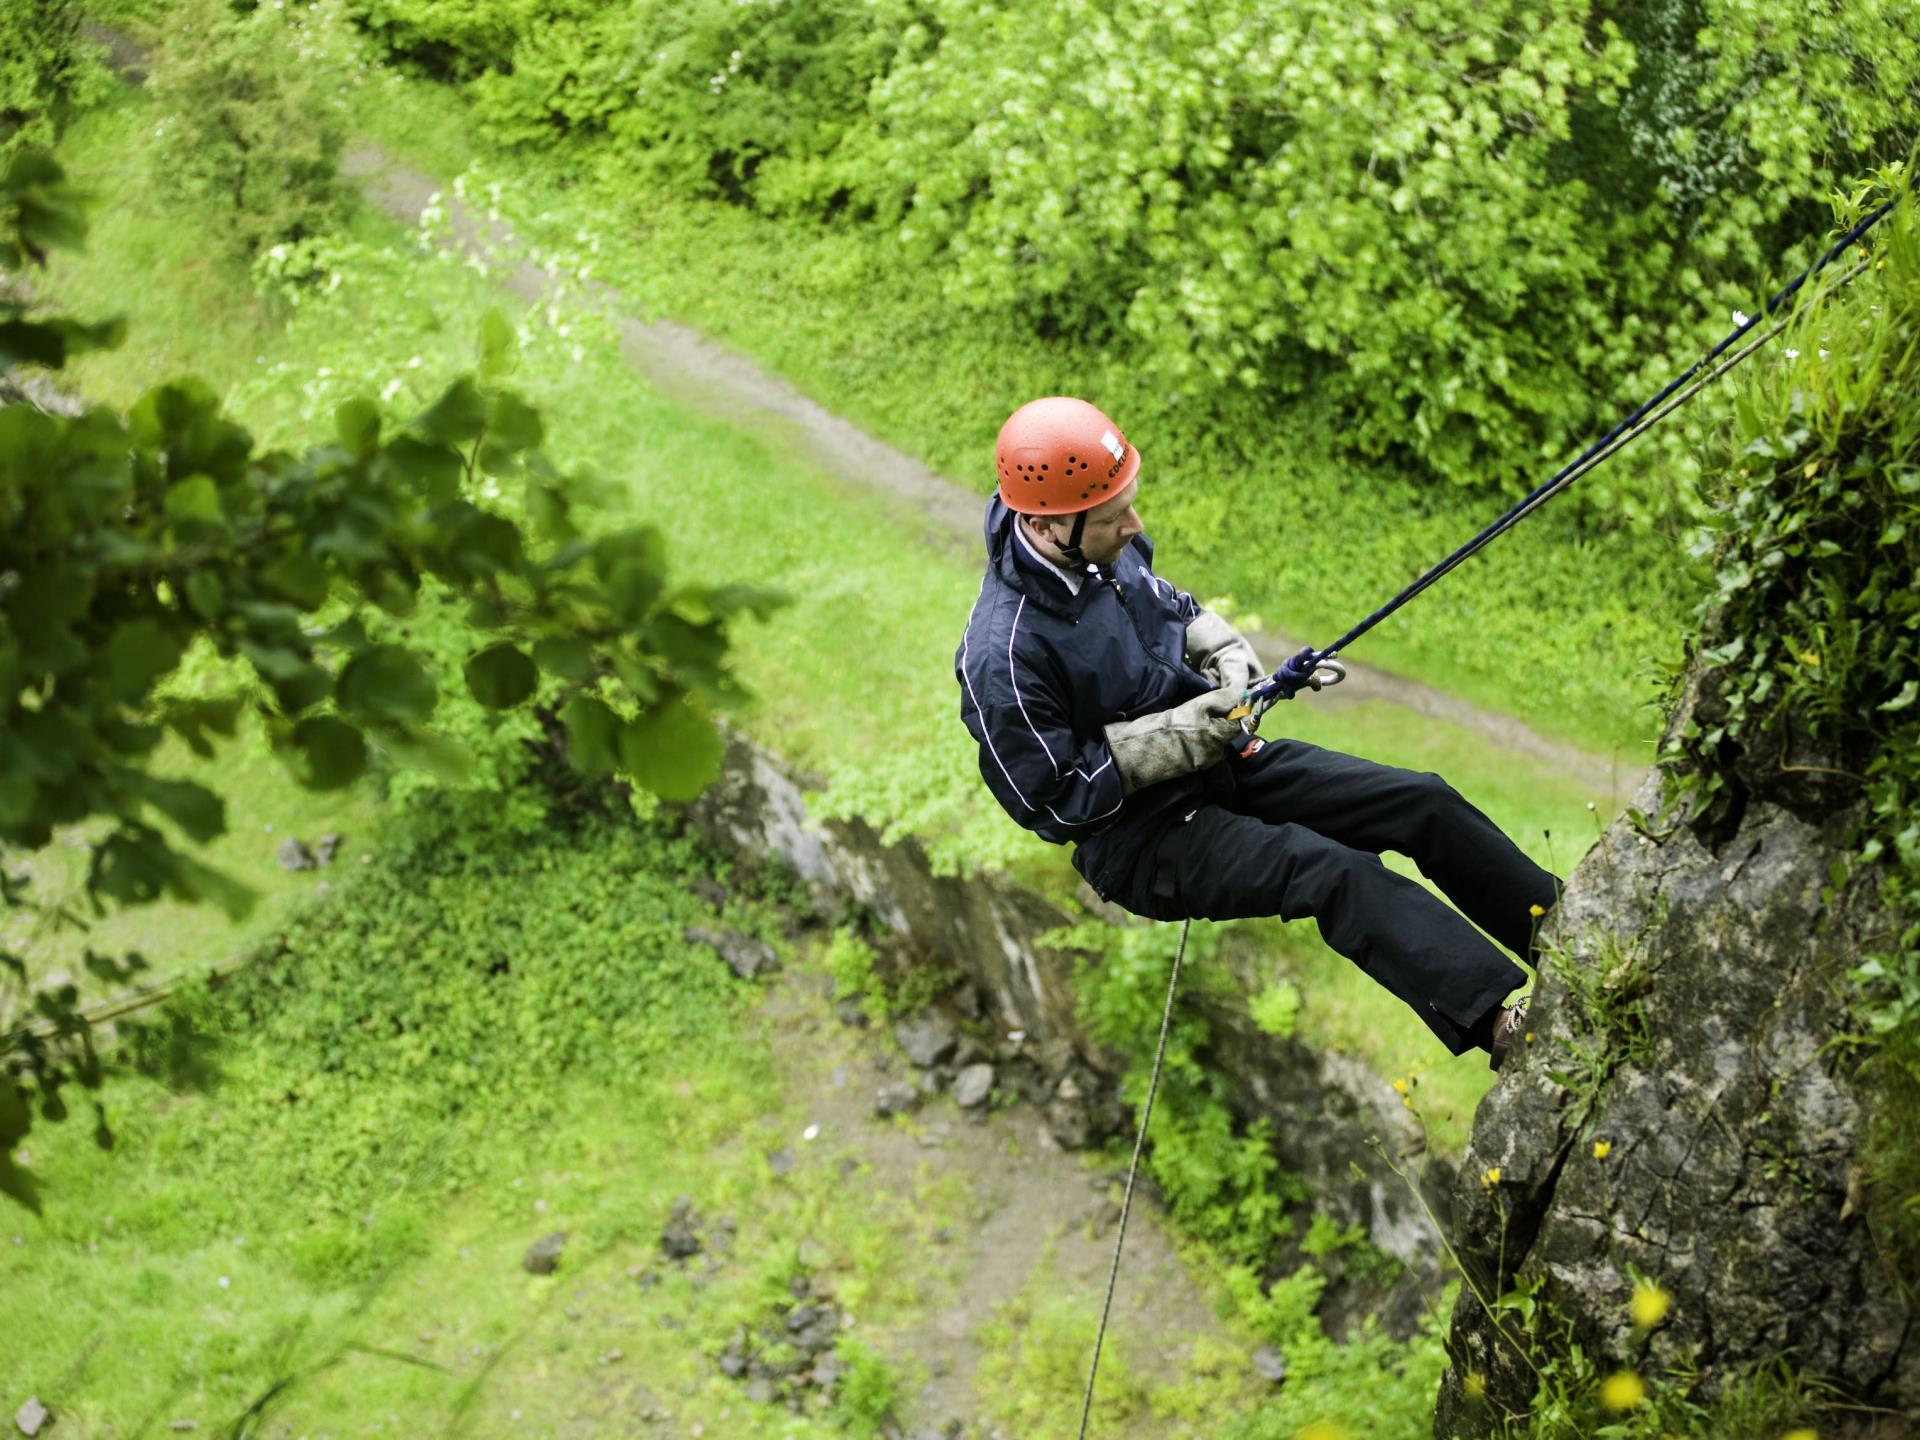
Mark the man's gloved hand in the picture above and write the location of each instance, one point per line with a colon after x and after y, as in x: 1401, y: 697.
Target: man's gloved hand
x: 1219, y: 651
x: 1169, y: 743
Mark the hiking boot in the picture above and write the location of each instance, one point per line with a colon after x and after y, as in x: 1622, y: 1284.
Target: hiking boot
x: 1511, y: 1025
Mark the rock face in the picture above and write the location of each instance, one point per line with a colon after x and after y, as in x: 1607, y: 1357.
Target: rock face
x: 1680, y: 1115
x: 1323, y: 1107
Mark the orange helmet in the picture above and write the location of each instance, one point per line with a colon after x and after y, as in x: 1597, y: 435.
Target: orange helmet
x: 1059, y: 456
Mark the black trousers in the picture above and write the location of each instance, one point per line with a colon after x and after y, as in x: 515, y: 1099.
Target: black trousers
x: 1296, y: 831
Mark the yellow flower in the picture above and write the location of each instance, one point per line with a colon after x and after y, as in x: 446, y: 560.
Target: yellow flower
x: 1491, y: 1178
x: 1650, y: 1304
x: 1401, y: 1086
x: 1810, y: 658
x: 1801, y: 1434
x: 1622, y: 1390
x: 1602, y: 1148
x: 1476, y: 1385
x: 1536, y: 911
x: 1321, y: 1430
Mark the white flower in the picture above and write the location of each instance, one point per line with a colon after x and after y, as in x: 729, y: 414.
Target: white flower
x: 1824, y: 352
x: 812, y: 1132
x: 1792, y: 354
x: 225, y: 1282
x: 1739, y: 317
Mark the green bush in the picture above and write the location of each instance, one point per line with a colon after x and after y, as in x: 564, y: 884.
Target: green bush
x: 1469, y: 230
x: 864, y: 1402
x: 465, y: 977
x: 256, y: 118
x: 450, y: 39
x: 41, y: 66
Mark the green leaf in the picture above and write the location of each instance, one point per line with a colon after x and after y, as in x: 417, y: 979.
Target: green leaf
x: 331, y: 753
x: 140, y: 652
x: 207, y: 594
x: 358, y: 424
x: 195, y: 501
x: 565, y: 657
x: 300, y: 577
x: 632, y: 565
x: 191, y: 719
x: 1909, y: 692
x: 386, y: 682
x: 592, y: 735
x: 435, y: 469
x: 674, y: 750
x: 513, y: 424
x: 302, y: 688
x: 549, y: 514
x: 500, y: 676
x: 194, y: 808
x: 498, y: 350
x: 444, y: 758
x: 456, y: 417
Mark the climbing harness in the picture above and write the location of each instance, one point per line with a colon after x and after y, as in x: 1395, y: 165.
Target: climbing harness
x: 1133, y: 1170
x: 1316, y: 669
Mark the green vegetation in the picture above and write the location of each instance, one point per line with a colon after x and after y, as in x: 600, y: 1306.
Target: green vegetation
x: 1811, y: 638
x: 534, y: 1049
x: 1214, y: 186
x: 496, y: 1003
x: 255, y: 118
x: 44, y: 72
x: 1259, y: 512
x: 332, y: 594
x: 370, y: 305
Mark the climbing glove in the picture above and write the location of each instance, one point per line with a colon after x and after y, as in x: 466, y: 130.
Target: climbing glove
x: 1221, y: 653
x: 1169, y: 743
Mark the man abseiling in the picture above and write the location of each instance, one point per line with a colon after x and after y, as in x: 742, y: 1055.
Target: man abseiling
x: 1099, y: 695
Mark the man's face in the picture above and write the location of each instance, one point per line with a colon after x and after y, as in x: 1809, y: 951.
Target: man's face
x: 1110, y: 525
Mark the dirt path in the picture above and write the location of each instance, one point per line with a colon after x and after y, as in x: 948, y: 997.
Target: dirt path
x: 1031, y: 1225
x: 706, y: 376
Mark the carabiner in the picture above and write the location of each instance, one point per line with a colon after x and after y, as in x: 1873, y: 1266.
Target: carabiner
x: 1326, y: 671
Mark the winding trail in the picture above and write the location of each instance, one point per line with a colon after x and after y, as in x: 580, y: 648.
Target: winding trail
x: 706, y: 376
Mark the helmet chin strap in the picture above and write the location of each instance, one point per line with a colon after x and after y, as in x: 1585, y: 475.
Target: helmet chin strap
x: 1071, y: 551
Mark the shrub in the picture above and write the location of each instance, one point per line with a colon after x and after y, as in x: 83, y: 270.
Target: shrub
x: 40, y: 68
x: 1469, y: 231
x: 255, y: 118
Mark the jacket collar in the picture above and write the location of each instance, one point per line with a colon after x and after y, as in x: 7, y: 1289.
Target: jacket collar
x: 1026, y: 573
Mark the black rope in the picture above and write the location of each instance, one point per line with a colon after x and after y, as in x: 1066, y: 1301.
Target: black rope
x: 1133, y: 1170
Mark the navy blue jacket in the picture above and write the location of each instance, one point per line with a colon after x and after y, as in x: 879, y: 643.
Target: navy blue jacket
x: 1042, y: 671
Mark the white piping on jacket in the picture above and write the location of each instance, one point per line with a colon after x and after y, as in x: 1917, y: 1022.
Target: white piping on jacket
x: 966, y: 651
